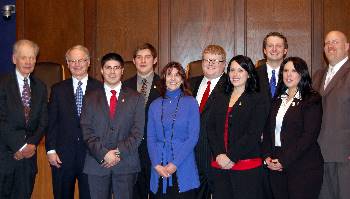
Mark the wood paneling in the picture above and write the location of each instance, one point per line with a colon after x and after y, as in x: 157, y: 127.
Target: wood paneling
x: 54, y: 25
x: 196, y: 24
x: 337, y: 16
x: 123, y: 25
x: 292, y: 18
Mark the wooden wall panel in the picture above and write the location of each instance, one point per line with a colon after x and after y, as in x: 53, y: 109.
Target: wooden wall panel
x: 124, y: 24
x: 337, y: 16
x: 196, y: 24
x: 54, y: 25
x: 292, y: 18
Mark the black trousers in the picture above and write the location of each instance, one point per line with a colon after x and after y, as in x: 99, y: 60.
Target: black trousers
x: 231, y: 184
x: 173, y: 191
x: 18, y: 181
x: 71, y: 170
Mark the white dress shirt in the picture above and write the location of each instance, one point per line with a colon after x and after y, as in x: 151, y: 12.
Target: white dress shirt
x: 332, y: 70
x: 203, y: 86
x: 280, y: 115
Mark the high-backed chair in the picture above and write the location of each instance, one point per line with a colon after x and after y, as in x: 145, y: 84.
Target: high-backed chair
x: 194, y: 69
x: 260, y: 62
x: 50, y: 73
x: 129, y: 70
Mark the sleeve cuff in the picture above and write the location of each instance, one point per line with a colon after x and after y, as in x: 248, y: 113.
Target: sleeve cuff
x: 51, y: 151
x: 24, y: 146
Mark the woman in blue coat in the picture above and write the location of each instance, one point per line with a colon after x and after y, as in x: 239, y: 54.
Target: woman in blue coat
x: 173, y: 130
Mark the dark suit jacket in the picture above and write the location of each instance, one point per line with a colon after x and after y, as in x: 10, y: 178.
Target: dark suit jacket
x: 14, y: 132
x: 264, y: 85
x: 334, y: 137
x: 153, y: 94
x: 300, y: 129
x: 203, y: 153
x: 64, y: 134
x: 102, y: 134
x: 246, y: 122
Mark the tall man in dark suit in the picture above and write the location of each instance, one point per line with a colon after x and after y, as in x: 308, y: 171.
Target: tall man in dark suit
x: 275, y: 47
x: 145, y: 82
x: 333, y: 83
x: 65, y: 147
x: 23, y: 120
x: 204, y: 88
x: 112, y: 120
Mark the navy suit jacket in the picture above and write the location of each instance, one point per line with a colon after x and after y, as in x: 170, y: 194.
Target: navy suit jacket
x: 64, y: 134
x: 14, y: 132
x: 102, y: 134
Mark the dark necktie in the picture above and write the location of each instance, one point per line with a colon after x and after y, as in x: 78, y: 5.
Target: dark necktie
x: 113, y: 104
x: 79, y: 97
x: 143, y: 90
x: 273, y: 83
x: 205, y: 97
x: 26, y: 99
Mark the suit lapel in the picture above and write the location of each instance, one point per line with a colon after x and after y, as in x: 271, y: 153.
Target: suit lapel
x: 219, y: 86
x: 336, y: 78
x: 16, y: 97
x: 153, y: 93
x: 121, y: 107
x: 265, y: 80
x: 196, y: 85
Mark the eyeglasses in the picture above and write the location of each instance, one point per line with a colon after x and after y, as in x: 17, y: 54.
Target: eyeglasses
x: 112, y: 68
x: 333, y: 42
x: 213, y: 61
x: 79, y: 61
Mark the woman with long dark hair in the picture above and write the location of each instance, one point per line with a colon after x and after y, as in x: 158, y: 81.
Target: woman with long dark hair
x: 173, y: 130
x: 290, y: 146
x: 234, y: 134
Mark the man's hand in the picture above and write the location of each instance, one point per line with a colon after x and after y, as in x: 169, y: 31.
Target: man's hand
x: 29, y: 150
x: 273, y: 164
x: 110, y: 159
x: 18, y: 155
x: 170, y: 168
x: 54, y: 160
x: 161, y: 170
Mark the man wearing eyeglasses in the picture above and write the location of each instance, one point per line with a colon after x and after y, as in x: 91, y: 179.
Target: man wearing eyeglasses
x: 275, y: 48
x: 112, y: 120
x: 204, y: 88
x: 66, y: 150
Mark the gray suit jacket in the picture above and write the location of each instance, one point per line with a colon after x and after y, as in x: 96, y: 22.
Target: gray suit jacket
x: 334, y: 138
x: 102, y: 134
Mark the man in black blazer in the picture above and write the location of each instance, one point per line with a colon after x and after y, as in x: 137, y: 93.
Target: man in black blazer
x: 275, y: 47
x: 112, y: 121
x: 23, y: 120
x: 204, y: 88
x: 66, y: 150
x: 145, y: 82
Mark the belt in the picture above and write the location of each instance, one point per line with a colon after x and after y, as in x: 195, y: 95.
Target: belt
x: 242, y: 164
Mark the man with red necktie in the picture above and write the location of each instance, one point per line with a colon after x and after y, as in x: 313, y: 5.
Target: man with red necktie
x: 203, y: 88
x: 112, y: 121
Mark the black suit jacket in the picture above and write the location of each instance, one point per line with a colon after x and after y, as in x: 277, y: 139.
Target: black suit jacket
x: 202, y: 150
x: 64, y: 134
x: 300, y: 129
x: 102, y: 134
x: 14, y: 132
x: 153, y: 94
x: 245, y: 126
x: 264, y: 85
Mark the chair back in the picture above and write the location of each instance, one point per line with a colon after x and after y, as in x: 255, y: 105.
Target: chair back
x: 194, y: 69
x: 129, y: 70
x: 50, y: 73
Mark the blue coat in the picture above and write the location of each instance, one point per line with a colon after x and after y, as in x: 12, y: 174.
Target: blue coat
x: 179, y: 148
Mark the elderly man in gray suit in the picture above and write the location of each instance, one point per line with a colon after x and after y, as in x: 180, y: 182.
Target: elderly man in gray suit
x: 333, y: 83
x: 112, y: 121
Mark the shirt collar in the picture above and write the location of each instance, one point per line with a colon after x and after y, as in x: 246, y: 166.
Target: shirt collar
x: 148, y: 77
x: 213, y: 81
x: 296, y: 96
x: 84, y: 80
x: 337, y: 66
x: 117, y: 88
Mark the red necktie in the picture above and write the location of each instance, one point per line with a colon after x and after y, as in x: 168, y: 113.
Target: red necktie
x: 113, y: 104
x: 205, y: 97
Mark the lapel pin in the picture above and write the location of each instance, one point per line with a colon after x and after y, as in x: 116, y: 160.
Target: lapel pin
x: 123, y: 100
x: 154, y: 86
x: 240, y: 104
x: 293, y: 103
